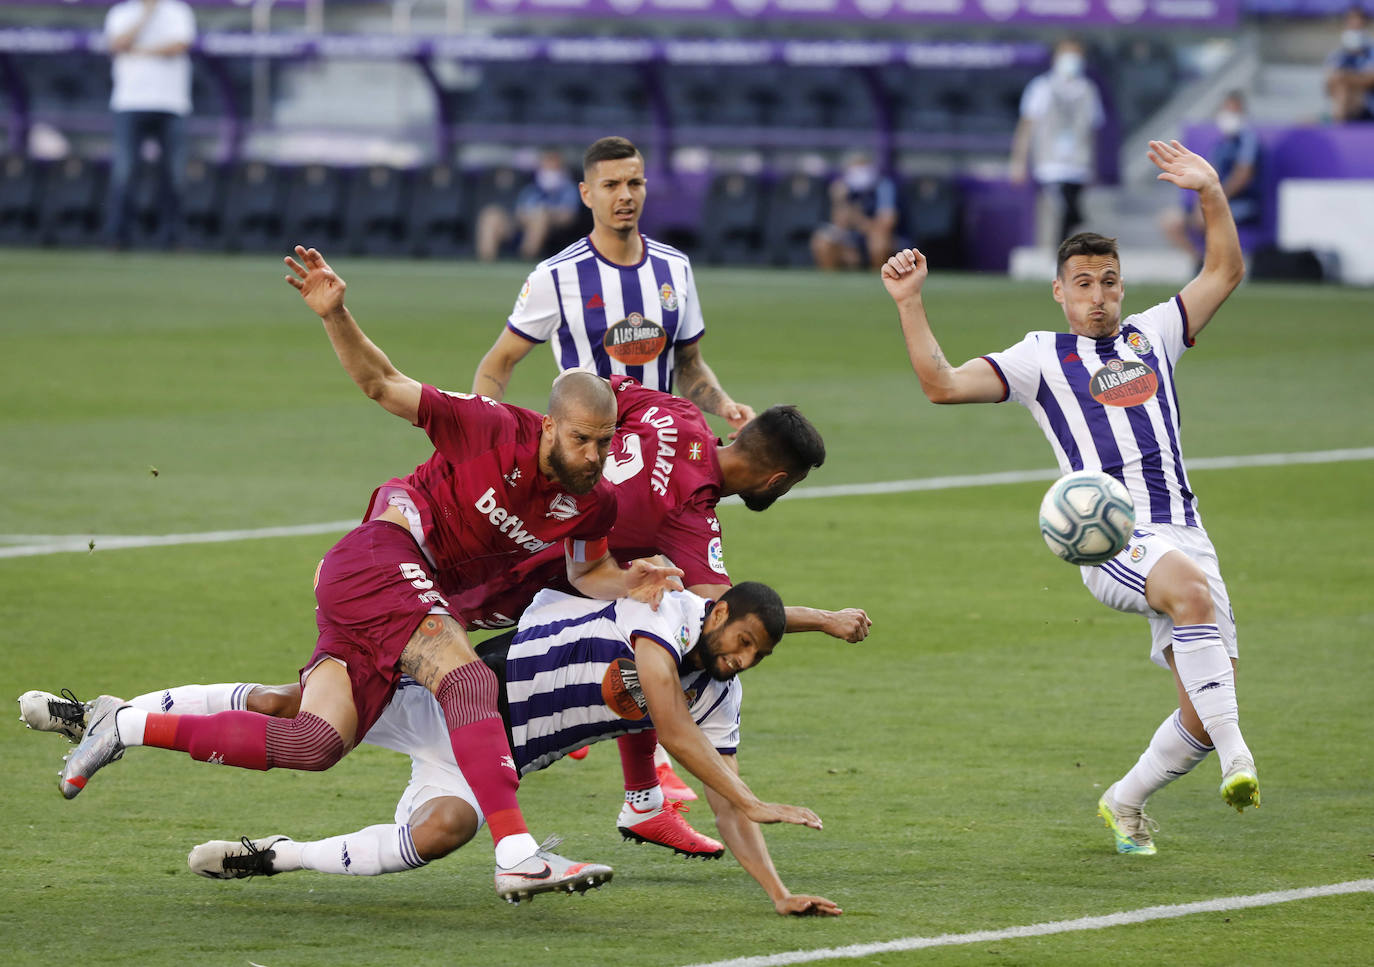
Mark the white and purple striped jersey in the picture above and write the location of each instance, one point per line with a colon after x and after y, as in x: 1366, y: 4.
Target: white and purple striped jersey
x: 615, y: 319
x: 1111, y: 405
x: 571, y: 678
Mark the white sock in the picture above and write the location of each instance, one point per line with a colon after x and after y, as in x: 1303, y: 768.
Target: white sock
x: 1205, y: 670
x: 661, y: 757
x: 1172, y: 753
x: 515, y: 849
x: 197, y: 699
x: 645, y: 800
x: 129, y: 722
x: 384, y: 848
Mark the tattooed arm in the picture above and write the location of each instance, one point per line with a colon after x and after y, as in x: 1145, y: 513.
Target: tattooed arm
x: 695, y: 380
x: 973, y: 382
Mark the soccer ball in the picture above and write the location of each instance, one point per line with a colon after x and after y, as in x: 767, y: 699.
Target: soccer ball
x: 1087, y: 517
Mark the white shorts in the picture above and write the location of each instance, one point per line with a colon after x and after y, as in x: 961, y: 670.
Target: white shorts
x: 413, y: 724
x: 1120, y: 582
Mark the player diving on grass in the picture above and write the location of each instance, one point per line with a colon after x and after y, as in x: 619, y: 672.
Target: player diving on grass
x: 1104, y: 395
x: 669, y: 472
x: 575, y: 671
x: 503, y: 484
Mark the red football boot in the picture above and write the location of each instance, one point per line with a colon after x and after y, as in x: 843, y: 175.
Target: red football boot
x: 673, y: 787
x: 665, y: 826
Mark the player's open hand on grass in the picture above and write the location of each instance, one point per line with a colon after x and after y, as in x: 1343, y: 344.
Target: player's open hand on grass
x: 646, y: 581
x: 804, y: 905
x: 1181, y: 167
x: 322, y: 290
x: 776, y: 812
x: 851, y: 624
x: 904, y: 274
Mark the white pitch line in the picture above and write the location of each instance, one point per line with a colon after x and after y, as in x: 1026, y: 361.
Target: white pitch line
x: 112, y: 542
x: 1027, y: 476
x: 34, y: 545
x: 1144, y: 915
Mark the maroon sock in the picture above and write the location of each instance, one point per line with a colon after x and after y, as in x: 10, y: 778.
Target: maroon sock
x: 228, y: 738
x: 468, y: 697
x: 637, y: 759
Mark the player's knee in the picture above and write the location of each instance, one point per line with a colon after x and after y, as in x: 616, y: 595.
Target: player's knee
x: 306, y: 742
x: 278, y: 701
x: 1192, y: 598
x: 441, y: 826
x: 1178, y: 587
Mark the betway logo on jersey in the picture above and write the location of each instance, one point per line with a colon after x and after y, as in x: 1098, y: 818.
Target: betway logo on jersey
x: 508, y: 524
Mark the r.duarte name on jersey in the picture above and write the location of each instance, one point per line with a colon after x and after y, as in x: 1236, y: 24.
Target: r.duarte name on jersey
x: 508, y: 524
x: 667, y: 449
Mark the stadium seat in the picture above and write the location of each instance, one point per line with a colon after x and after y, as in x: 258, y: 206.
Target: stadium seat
x: 315, y: 199
x: 375, y: 221
x: 698, y: 98
x: 732, y: 220
x: 439, y: 218
x: 506, y: 94
x: 913, y: 98
x: 837, y: 98
x: 74, y: 83
x: 253, y: 207
x: 796, y: 206
x: 499, y: 185
x: 20, y: 184
x: 73, y: 201
x: 932, y: 219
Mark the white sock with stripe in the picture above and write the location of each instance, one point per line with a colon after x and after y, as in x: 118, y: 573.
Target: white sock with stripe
x: 1172, y: 753
x: 196, y: 699
x: 1205, y: 670
x: 384, y: 848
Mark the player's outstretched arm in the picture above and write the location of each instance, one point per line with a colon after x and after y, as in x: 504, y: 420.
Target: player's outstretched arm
x: 368, y: 366
x: 697, y: 382
x: 605, y: 580
x: 903, y: 276
x: 1223, y: 261
x: 494, y: 371
x: 684, y: 740
x: 851, y: 624
x: 745, y: 841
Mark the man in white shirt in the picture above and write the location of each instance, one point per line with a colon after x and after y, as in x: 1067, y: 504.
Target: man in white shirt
x: 1054, y: 140
x: 151, y: 96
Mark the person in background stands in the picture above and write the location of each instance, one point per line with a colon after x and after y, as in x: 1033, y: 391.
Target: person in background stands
x: 151, y: 96
x: 1054, y: 140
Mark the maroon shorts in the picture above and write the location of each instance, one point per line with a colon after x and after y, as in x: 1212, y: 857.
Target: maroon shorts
x: 374, y: 588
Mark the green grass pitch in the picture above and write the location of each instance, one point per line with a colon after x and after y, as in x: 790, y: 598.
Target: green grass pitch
x: 956, y: 756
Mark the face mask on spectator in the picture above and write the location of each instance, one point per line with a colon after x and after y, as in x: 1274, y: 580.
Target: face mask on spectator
x: 1354, y: 39
x: 860, y: 177
x: 1068, y: 64
x: 1230, y: 122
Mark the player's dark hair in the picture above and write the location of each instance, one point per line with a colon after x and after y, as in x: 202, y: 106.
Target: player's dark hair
x: 751, y: 597
x: 1085, y: 243
x: 614, y: 148
x: 781, y: 438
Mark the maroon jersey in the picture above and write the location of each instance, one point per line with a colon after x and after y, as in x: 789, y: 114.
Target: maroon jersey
x: 667, y: 482
x: 484, y: 506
